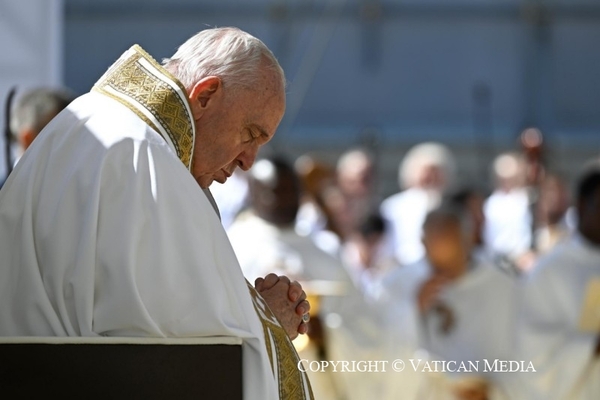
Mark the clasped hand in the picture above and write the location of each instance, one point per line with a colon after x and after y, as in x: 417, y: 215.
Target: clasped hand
x: 287, y: 300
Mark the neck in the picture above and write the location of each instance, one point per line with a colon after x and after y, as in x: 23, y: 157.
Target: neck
x: 453, y: 270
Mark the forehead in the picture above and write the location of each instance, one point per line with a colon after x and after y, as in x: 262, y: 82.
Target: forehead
x: 441, y: 227
x: 266, y: 105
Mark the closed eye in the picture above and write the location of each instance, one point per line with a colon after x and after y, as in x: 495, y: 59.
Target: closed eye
x: 259, y: 132
x: 247, y: 136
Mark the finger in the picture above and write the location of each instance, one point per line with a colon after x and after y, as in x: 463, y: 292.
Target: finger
x: 258, y: 284
x: 284, y: 278
x: 302, y: 328
x: 295, y: 292
x: 302, y: 297
x: 303, y: 308
x: 270, y: 281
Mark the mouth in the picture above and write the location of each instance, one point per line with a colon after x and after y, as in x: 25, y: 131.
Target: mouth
x: 223, y: 178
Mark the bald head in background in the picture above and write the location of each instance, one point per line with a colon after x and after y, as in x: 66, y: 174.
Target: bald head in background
x: 275, y: 191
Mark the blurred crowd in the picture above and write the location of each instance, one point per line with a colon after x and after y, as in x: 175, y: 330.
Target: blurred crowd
x: 440, y: 274
x: 480, y: 295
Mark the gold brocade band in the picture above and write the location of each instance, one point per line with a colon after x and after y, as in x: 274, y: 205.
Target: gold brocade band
x: 141, y: 84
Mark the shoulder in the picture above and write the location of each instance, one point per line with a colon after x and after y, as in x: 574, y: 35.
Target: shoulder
x: 108, y: 121
x: 555, y: 262
x: 407, y: 277
x: 492, y: 277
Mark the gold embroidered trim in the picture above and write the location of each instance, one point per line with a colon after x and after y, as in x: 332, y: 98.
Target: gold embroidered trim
x: 291, y: 378
x: 131, y: 83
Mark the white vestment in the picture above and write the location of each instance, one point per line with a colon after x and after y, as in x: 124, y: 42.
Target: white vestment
x: 104, y: 231
x: 405, y: 213
x: 262, y: 248
x: 552, y: 333
x: 507, y: 228
x: 398, y: 302
x: 482, y: 306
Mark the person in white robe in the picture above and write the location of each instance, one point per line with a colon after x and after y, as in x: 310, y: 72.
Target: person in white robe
x: 426, y: 171
x: 560, y: 325
x: 365, y: 258
x: 356, y: 180
x: 401, y: 317
x: 508, y: 218
x: 107, y: 227
x: 456, y: 307
x: 264, y: 237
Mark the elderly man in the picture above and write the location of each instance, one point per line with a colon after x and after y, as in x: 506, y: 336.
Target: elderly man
x: 426, y: 172
x: 107, y: 226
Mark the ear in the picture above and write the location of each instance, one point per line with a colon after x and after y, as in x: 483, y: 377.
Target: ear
x: 26, y: 138
x: 203, y: 94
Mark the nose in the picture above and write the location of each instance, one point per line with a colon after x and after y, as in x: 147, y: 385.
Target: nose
x: 246, y: 158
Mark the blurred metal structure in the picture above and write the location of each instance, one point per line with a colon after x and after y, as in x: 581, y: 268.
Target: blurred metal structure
x: 409, y: 68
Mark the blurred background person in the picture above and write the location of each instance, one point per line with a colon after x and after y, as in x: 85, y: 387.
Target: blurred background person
x: 339, y: 200
x: 365, y: 258
x: 470, y: 199
x: 264, y: 236
x: 457, y: 307
x: 508, y: 219
x: 560, y: 324
x: 555, y: 218
x: 427, y: 170
x: 467, y: 306
x: 315, y: 216
x: 356, y: 180
x: 33, y: 111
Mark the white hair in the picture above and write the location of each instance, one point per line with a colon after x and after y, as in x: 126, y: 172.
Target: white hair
x: 228, y: 53
x: 352, y: 160
x: 424, y: 155
x: 36, y: 107
x: 509, y: 165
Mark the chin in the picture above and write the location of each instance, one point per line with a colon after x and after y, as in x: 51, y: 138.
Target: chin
x: 219, y: 179
x: 204, y: 183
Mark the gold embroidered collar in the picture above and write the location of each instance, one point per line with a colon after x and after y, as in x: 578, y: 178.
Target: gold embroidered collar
x: 140, y: 83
